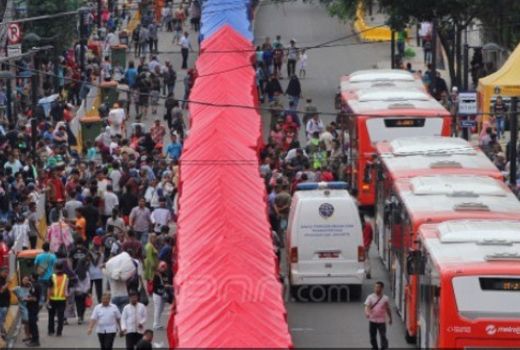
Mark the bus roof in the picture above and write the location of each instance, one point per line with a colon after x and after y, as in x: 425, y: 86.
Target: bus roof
x: 379, y: 78
x: 395, y: 102
x: 381, y: 75
x: 405, y: 146
x: 416, y: 156
x: 482, y: 241
x: 445, y: 197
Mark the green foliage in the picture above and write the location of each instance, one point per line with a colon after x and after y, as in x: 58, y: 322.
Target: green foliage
x: 59, y: 32
x: 344, y: 9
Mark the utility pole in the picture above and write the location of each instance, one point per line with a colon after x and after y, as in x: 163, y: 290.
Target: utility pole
x: 466, y: 68
x: 513, y: 142
x: 9, y: 98
x: 392, y: 49
x: 433, y: 89
x: 458, y: 54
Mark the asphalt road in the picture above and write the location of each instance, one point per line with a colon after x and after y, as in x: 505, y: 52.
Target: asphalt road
x: 310, y: 25
x: 326, y: 324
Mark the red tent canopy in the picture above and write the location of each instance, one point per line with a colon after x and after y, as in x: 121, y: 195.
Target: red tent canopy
x: 227, y: 288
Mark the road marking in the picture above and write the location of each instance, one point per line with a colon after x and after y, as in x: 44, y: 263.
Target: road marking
x: 302, y: 329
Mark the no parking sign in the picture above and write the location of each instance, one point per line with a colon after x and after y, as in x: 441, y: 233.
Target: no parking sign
x: 14, y: 34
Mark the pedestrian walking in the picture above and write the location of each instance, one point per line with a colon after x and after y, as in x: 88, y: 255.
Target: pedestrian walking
x: 186, y: 47
x: 58, y: 294
x: 153, y: 37
x: 44, y: 266
x: 304, y: 57
x: 146, y: 342
x: 140, y: 221
x: 162, y: 293
x: 33, y: 308
x: 105, y: 317
x: 377, y: 308
x: 5, y: 299
x: 499, y: 114
x: 368, y: 236
x: 133, y: 320
x: 294, y: 90
x: 292, y: 56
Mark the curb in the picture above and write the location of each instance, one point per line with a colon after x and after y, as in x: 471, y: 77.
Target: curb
x: 368, y: 33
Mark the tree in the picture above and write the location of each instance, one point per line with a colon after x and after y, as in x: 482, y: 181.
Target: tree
x: 59, y: 32
x: 452, y: 18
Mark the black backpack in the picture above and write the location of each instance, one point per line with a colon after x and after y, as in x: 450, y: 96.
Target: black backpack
x: 171, y: 77
x: 133, y: 282
x: 82, y: 268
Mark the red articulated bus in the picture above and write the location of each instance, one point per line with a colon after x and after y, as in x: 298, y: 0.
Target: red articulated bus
x: 383, y: 113
x: 410, y: 157
x: 468, y: 274
x: 412, y: 202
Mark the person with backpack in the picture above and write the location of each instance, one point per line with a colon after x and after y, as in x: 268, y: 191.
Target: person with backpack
x: 96, y: 262
x: 82, y: 287
x: 170, y: 77
x: 44, y: 266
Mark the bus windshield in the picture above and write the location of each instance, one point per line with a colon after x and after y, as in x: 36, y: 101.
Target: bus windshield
x: 388, y: 129
x: 487, y: 296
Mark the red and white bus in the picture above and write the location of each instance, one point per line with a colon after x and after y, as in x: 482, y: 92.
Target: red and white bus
x: 469, y: 284
x: 378, y: 114
x: 412, y: 202
x: 420, y: 156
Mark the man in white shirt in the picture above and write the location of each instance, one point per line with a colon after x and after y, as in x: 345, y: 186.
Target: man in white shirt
x: 111, y: 40
x: 20, y: 235
x: 105, y: 317
x: 186, y: 47
x: 111, y: 201
x: 314, y: 125
x: 116, y: 117
x: 133, y: 320
x: 115, y: 177
x: 326, y: 137
x: 161, y: 216
x: 71, y: 205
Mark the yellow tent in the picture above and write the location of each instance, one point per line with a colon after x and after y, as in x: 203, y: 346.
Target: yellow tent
x: 504, y: 82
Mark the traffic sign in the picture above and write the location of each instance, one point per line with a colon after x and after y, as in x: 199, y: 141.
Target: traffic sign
x: 468, y: 103
x: 14, y: 34
x: 14, y: 50
x: 468, y: 123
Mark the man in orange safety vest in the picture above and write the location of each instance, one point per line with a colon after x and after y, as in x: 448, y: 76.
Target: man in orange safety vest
x: 58, y: 293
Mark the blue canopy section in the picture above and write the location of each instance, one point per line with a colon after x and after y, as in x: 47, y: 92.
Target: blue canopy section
x: 234, y: 13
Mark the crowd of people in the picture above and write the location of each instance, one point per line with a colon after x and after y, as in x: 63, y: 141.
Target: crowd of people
x: 116, y: 197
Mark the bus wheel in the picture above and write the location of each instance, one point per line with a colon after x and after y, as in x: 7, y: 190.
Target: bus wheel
x: 294, y: 290
x: 355, y: 291
x: 410, y: 339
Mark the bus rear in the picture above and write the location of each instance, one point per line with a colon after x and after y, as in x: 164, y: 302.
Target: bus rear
x: 385, y: 115
x: 469, y: 273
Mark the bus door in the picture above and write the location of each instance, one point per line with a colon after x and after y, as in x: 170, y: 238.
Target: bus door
x: 380, y: 210
x: 398, y: 248
x: 429, y: 306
